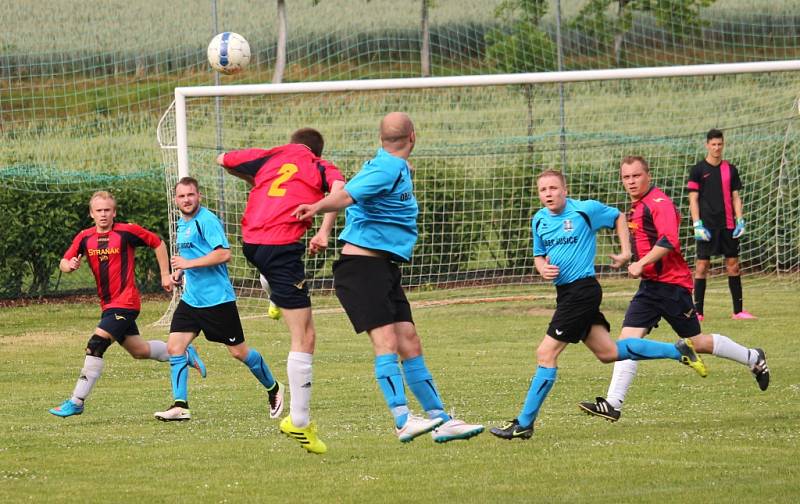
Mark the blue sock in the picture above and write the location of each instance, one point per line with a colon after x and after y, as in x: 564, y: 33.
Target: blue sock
x: 179, y: 375
x: 259, y: 368
x: 390, y: 381
x: 420, y: 382
x: 644, y: 349
x: 541, y: 384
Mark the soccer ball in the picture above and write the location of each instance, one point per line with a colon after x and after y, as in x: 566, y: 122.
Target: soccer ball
x: 228, y: 53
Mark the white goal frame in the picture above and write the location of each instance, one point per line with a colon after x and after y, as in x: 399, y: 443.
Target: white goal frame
x: 181, y: 93
x: 179, y: 118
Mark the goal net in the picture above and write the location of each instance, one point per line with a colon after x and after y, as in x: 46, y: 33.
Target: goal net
x: 481, y: 142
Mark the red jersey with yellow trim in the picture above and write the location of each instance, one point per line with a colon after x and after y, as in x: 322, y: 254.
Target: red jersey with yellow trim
x: 285, y: 177
x: 654, y: 220
x: 111, y: 257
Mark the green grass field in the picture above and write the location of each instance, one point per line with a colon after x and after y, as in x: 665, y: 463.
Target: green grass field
x: 681, y: 438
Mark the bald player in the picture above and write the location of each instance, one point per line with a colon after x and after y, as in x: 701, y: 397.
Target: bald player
x: 380, y: 232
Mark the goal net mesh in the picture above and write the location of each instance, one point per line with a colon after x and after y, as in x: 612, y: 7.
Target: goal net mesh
x: 479, y: 150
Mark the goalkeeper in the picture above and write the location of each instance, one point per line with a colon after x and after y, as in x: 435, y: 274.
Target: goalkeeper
x: 716, y: 208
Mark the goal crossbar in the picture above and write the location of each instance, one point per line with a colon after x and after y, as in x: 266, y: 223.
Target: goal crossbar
x: 181, y: 93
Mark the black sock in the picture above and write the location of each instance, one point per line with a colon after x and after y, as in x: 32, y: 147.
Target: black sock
x: 735, y: 285
x: 699, y: 294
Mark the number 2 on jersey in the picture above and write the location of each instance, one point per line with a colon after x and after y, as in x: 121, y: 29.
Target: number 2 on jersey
x: 286, y: 171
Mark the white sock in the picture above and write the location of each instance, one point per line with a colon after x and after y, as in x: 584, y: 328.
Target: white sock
x: 298, y: 368
x: 729, y: 349
x: 158, y: 350
x: 92, y: 369
x: 621, y: 379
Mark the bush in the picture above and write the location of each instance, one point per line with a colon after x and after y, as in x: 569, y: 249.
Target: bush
x: 39, y: 227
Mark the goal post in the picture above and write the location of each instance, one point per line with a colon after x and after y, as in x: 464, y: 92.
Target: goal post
x: 482, y: 139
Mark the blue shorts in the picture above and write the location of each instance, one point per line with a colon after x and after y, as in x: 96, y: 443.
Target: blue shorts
x: 119, y: 323
x: 282, y: 266
x: 655, y: 300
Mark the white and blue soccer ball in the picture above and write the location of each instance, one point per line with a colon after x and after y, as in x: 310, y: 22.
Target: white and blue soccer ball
x: 228, y: 53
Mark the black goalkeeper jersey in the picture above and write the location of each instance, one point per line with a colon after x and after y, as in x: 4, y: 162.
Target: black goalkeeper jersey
x: 715, y: 184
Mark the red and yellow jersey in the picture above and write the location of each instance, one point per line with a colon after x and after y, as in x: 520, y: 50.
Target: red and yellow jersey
x: 654, y: 220
x: 111, y: 257
x: 285, y: 177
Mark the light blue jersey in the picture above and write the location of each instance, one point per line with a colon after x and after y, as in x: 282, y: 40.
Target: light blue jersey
x: 384, y: 215
x: 569, y: 238
x: 197, y: 237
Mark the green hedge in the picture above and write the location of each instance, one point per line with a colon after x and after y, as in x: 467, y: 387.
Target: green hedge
x: 39, y: 227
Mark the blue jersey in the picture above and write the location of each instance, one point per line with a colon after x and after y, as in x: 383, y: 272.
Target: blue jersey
x: 384, y: 215
x: 197, y: 237
x: 568, y: 238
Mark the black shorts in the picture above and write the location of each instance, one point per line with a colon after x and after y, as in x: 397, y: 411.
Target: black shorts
x: 119, y: 322
x: 282, y: 266
x: 722, y: 243
x: 654, y: 300
x: 370, y: 291
x: 577, y: 310
x: 219, y: 323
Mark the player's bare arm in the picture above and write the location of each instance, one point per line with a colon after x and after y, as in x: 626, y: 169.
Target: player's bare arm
x: 333, y: 202
x: 319, y: 242
x: 177, y: 277
x: 548, y: 271
x: 70, y: 265
x: 621, y: 228
x: 217, y: 256
x: 738, y: 206
x: 655, y: 254
x: 694, y: 205
x: 162, y: 256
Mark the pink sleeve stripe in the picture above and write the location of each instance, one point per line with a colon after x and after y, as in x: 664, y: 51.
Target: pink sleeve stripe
x: 693, y: 186
x: 725, y: 173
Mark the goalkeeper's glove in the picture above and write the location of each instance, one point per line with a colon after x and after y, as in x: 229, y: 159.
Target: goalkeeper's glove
x: 738, y: 231
x: 700, y: 232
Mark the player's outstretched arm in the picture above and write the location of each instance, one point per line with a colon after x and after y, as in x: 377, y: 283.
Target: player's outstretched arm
x: 247, y: 178
x: 319, y: 242
x: 333, y: 202
x: 217, y: 256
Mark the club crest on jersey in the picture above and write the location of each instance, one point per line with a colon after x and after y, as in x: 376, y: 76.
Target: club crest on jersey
x: 188, y: 232
x: 568, y: 225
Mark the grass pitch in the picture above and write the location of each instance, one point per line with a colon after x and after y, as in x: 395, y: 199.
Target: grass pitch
x: 681, y: 437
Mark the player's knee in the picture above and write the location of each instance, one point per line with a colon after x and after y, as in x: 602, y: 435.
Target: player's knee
x: 732, y: 269
x: 545, y: 357
x: 140, y: 353
x: 606, y: 357
x: 97, y: 346
x: 175, y: 347
x: 239, y: 352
